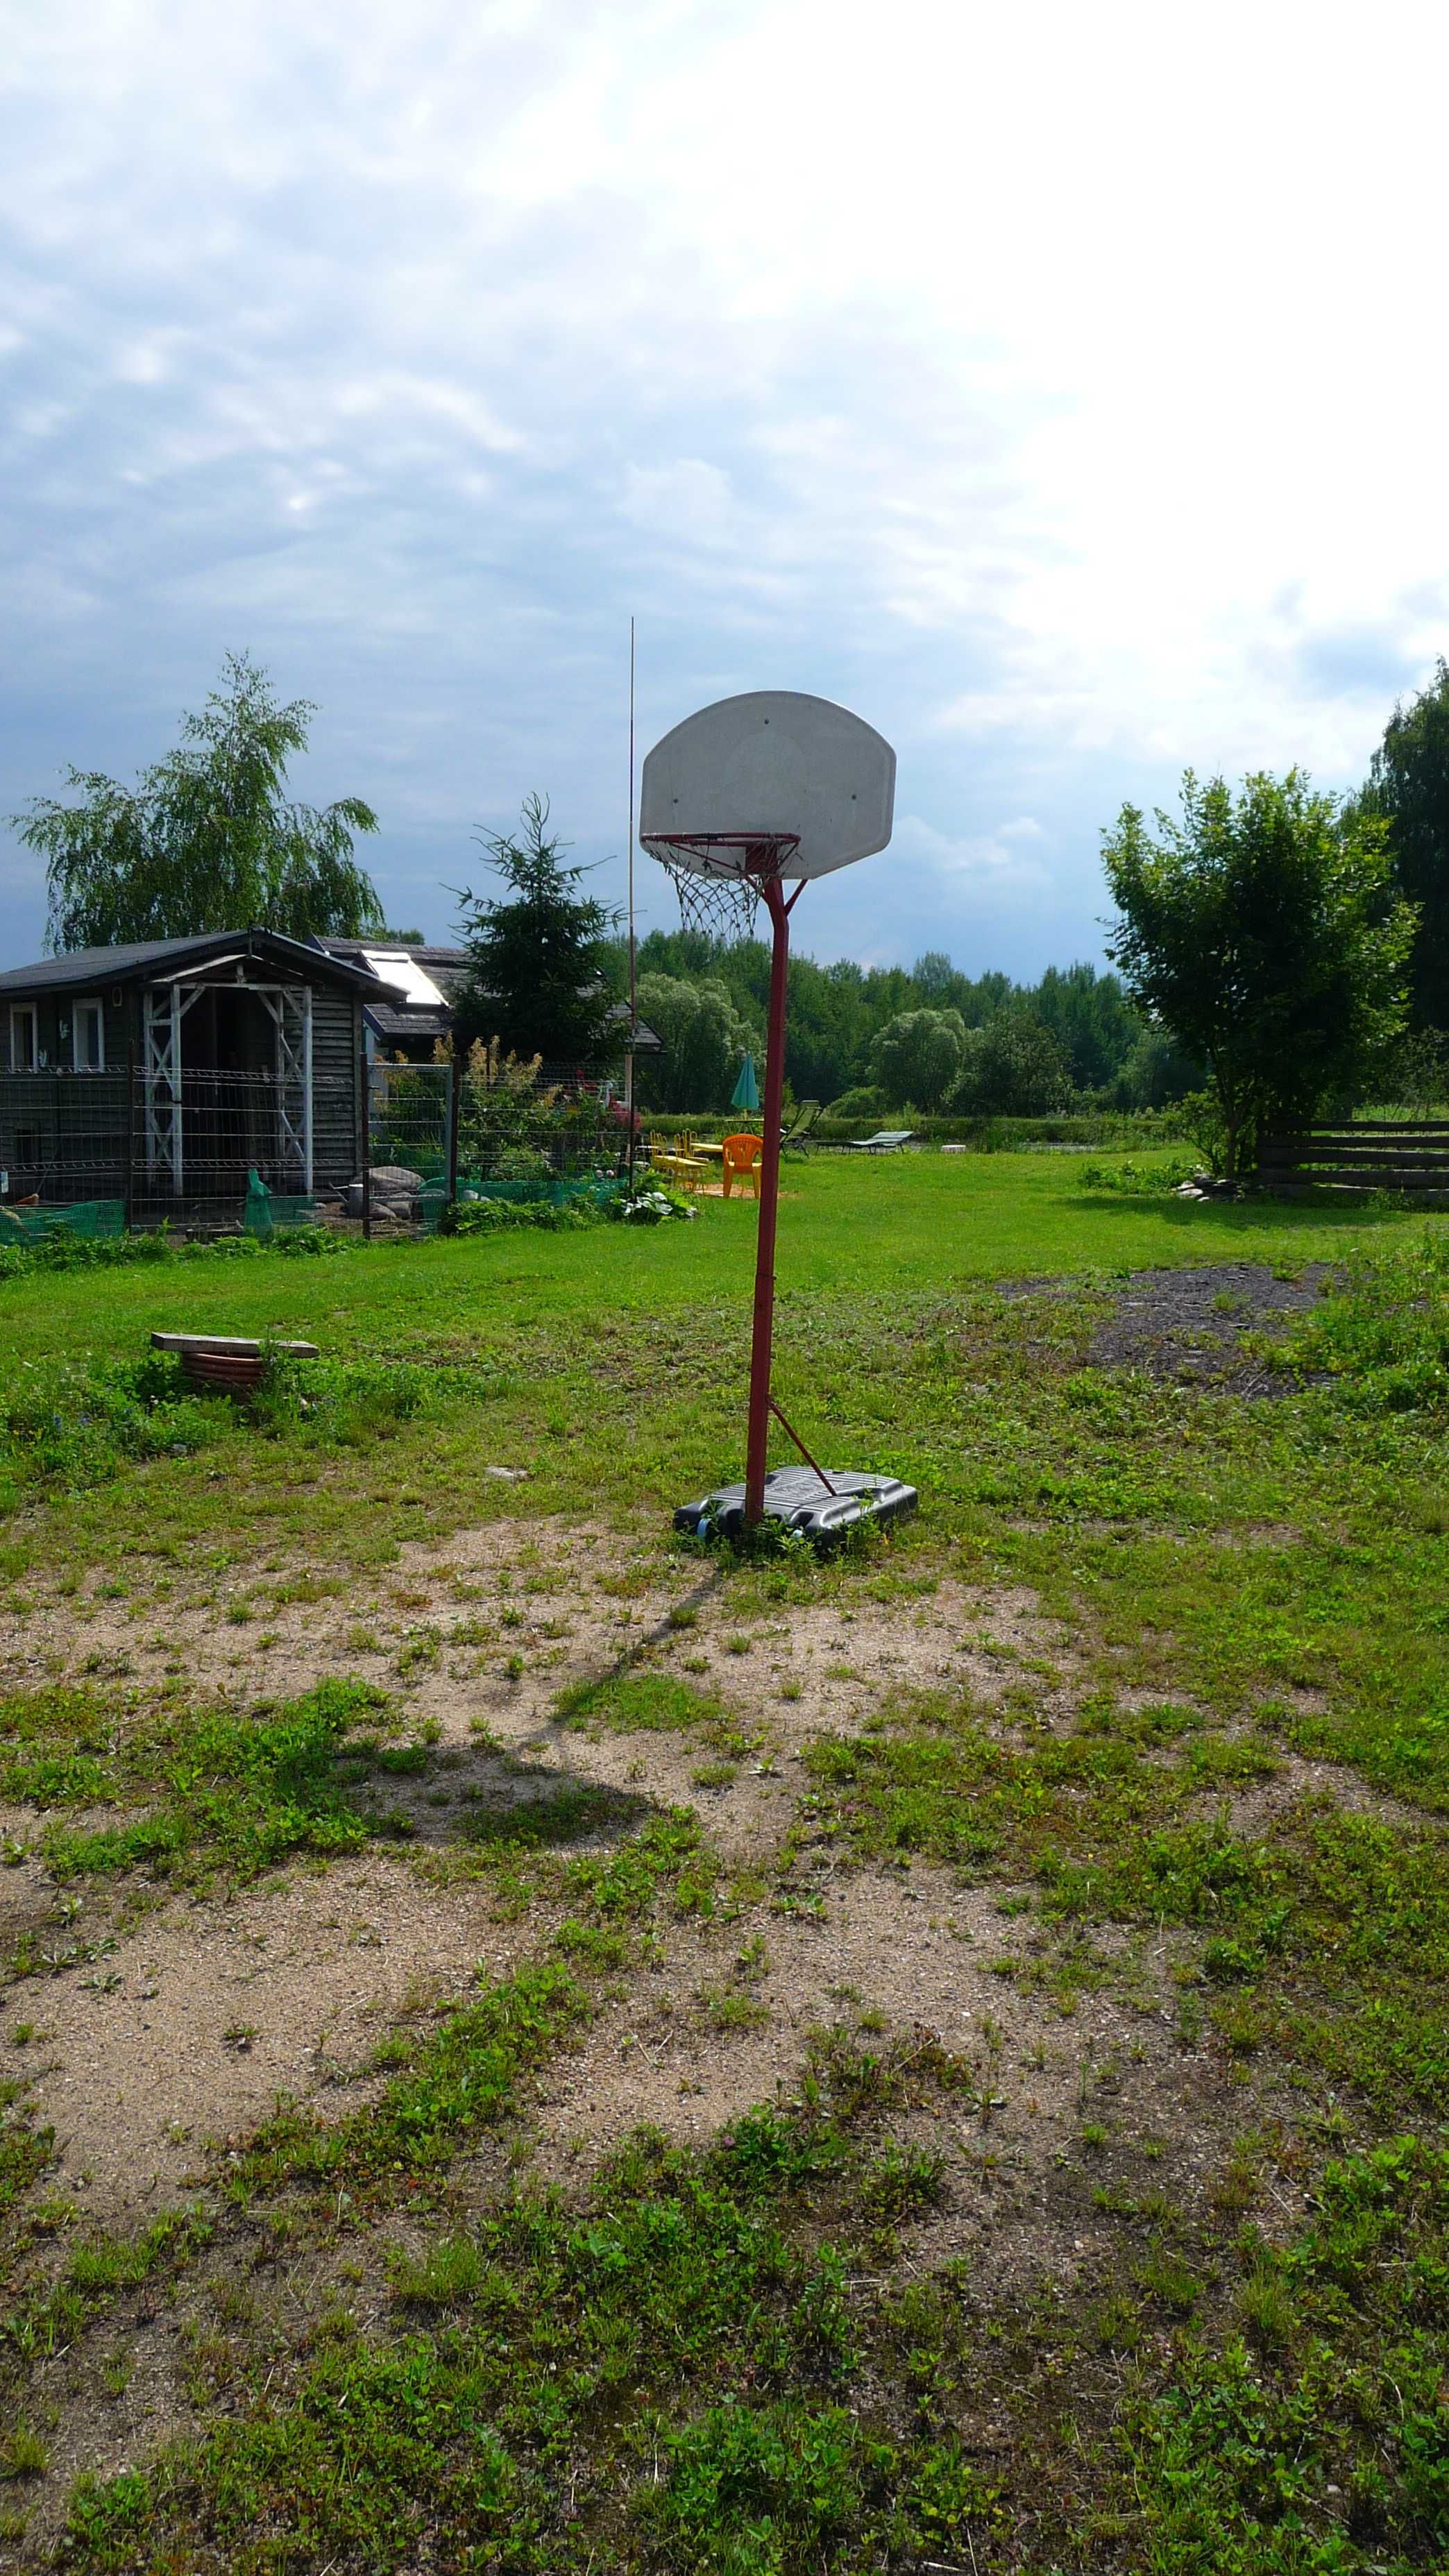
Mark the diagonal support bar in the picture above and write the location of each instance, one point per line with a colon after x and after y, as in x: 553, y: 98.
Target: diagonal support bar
x: 787, y: 1426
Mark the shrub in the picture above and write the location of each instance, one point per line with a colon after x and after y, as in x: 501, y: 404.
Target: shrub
x: 1015, y: 1066
x: 866, y: 1100
x: 513, y: 1127
x: 1138, y: 1180
x: 500, y: 1216
x: 62, y: 1251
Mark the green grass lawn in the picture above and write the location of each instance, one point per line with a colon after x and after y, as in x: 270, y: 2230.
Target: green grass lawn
x: 609, y: 1364
x: 908, y: 1223
x: 731, y: 2359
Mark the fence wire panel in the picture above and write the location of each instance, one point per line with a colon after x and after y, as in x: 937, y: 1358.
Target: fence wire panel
x: 407, y: 1118
x: 519, y: 1124
x: 172, y: 1147
x: 64, y: 1137
x: 180, y: 1148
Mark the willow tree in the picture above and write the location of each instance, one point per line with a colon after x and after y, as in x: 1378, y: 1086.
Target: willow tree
x: 208, y: 838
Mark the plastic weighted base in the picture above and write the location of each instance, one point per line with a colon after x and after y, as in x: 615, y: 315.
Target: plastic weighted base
x: 797, y: 1497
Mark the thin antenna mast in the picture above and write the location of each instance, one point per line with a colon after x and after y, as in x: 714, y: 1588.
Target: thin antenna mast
x: 633, y: 981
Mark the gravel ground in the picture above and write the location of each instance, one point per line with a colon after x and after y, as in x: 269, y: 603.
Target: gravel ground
x: 1188, y: 1325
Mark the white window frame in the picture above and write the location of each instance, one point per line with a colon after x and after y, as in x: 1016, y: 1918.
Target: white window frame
x: 91, y: 1002
x: 20, y: 1061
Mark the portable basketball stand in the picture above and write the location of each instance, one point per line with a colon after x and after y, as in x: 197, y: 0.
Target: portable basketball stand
x: 746, y: 793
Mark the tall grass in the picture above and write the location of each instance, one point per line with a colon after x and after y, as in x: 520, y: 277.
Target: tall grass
x: 68, y: 1425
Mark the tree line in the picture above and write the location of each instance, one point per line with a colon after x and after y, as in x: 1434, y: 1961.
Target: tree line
x: 1275, y: 951
x: 871, y: 1038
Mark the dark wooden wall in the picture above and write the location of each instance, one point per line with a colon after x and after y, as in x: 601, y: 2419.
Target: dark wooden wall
x: 334, y: 1087
x: 64, y: 1132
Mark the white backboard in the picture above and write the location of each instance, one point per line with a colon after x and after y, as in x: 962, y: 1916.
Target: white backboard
x: 773, y: 760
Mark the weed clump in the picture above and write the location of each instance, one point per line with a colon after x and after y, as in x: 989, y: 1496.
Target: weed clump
x: 71, y: 1425
x: 1383, y: 1333
x: 216, y: 1788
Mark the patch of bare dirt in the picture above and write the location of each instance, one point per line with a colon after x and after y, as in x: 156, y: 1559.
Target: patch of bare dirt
x: 1061, y: 2084
x: 194, y: 2024
x: 190, y: 2024
x: 1188, y: 1325
x: 1299, y: 1782
x: 487, y: 1628
x: 475, y: 1639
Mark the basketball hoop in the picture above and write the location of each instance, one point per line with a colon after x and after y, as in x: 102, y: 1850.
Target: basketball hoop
x: 720, y: 876
x: 775, y: 784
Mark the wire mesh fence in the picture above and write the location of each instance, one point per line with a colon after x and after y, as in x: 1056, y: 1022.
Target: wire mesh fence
x: 493, y: 1129
x: 173, y: 1147
x: 204, y: 1149
x: 409, y: 1109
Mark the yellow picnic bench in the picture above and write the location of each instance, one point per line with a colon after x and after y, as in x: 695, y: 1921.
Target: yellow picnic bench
x: 678, y: 1162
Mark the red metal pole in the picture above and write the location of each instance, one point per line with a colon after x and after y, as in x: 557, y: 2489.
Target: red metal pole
x: 764, y: 1326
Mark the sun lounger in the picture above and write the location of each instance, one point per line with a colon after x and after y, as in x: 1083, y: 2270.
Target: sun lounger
x: 796, y: 1138
x: 886, y: 1140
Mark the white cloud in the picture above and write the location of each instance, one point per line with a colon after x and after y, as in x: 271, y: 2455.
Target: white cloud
x: 985, y: 858
x: 1016, y: 376
x: 689, y: 501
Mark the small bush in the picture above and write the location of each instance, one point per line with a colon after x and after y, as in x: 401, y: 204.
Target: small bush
x: 1138, y: 1180
x: 1384, y: 1333
x: 504, y: 1216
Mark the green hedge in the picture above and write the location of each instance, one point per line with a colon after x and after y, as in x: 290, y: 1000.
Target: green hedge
x: 1138, y: 1128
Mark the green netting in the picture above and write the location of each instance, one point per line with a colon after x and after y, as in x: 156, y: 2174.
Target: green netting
x: 88, y: 1220
x: 264, y: 1213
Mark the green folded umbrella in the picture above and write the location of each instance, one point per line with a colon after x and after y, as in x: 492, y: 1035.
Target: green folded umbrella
x: 746, y: 1093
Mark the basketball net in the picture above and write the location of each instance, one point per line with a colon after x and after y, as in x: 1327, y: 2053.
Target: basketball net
x: 718, y: 876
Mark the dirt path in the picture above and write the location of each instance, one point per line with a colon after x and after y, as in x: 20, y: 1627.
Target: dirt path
x: 188, y: 2023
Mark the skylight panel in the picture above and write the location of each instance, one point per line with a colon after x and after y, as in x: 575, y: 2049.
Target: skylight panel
x: 395, y: 966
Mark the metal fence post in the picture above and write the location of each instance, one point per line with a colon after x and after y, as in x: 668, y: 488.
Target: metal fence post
x: 364, y: 1120
x: 454, y: 1093
x: 128, y: 1144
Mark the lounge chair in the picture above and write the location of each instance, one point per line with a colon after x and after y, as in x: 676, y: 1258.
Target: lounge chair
x: 886, y: 1140
x: 796, y: 1138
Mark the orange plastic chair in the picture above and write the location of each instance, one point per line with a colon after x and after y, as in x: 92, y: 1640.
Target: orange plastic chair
x: 741, y: 1162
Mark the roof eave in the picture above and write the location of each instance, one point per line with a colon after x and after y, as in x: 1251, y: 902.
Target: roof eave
x: 254, y: 943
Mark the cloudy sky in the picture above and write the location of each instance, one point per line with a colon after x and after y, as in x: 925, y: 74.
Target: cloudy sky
x: 1063, y: 388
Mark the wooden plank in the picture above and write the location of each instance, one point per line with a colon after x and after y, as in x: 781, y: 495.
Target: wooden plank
x: 1379, y: 1149
x: 231, y: 1346
x: 1357, y: 1163
x: 1330, y: 1152
x: 1349, y: 1189
x: 1410, y: 1128
x: 1357, y: 1179
x: 1408, y: 1173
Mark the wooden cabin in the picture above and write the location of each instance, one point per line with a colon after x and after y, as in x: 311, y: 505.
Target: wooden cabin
x: 162, y: 1073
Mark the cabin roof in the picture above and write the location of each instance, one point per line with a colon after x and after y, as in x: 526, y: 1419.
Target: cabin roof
x: 146, y: 960
x: 447, y: 968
